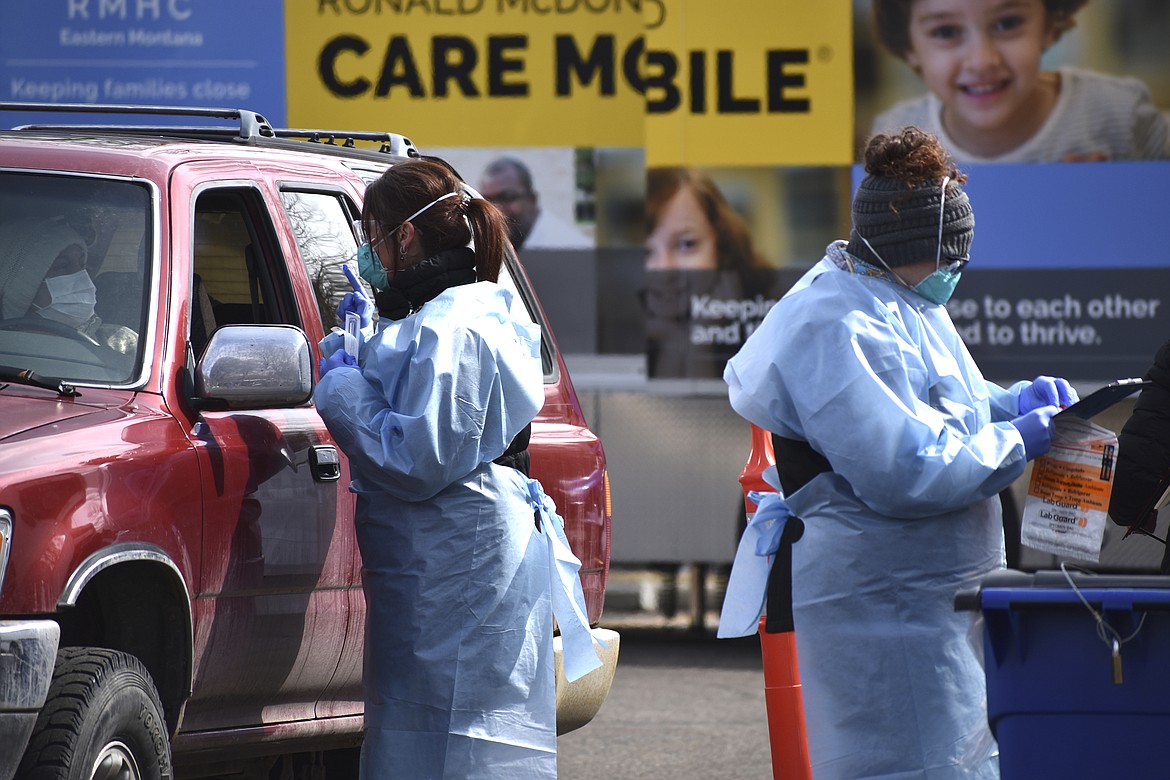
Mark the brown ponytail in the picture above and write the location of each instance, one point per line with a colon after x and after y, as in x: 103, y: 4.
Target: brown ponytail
x: 491, y: 236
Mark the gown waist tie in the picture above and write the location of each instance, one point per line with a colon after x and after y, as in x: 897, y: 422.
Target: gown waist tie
x: 568, y: 599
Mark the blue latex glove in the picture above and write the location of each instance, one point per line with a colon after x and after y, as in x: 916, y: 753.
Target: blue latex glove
x: 1035, y: 429
x: 1047, y: 391
x: 336, y: 360
x: 356, y: 301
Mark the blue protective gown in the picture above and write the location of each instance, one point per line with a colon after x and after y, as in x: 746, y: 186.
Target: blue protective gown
x: 877, y: 380
x: 459, y: 672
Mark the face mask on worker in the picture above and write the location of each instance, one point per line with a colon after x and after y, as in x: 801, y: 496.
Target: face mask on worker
x: 940, y: 285
x: 72, y: 299
x: 369, y: 266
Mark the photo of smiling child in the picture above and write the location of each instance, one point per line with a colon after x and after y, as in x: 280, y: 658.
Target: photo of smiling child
x: 991, y: 99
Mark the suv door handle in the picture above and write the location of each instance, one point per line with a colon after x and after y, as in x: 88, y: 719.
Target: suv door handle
x: 325, y: 463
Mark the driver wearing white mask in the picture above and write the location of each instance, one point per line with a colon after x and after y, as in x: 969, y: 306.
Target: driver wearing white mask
x: 44, y: 276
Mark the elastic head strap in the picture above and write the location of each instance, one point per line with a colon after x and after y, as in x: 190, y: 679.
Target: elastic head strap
x: 442, y: 198
x: 942, y: 202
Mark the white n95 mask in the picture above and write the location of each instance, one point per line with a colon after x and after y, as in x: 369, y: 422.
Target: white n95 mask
x: 73, y: 297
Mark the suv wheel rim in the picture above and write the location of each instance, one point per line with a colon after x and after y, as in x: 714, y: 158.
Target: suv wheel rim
x: 115, y: 762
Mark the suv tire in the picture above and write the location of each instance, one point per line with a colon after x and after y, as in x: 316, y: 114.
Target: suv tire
x: 102, y: 721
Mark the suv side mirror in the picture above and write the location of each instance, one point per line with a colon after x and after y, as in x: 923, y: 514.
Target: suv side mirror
x: 255, y: 366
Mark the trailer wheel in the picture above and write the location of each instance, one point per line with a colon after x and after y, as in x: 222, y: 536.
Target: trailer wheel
x: 102, y: 721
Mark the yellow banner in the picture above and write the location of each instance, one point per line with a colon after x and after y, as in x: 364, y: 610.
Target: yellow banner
x: 469, y: 72
x: 751, y: 82
x: 697, y: 82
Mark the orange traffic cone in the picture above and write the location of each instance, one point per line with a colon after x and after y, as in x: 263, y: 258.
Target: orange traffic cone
x: 759, y: 459
x: 785, y: 703
x: 783, y: 696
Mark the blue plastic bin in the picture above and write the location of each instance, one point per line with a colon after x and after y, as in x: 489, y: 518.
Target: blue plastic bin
x: 1052, y: 700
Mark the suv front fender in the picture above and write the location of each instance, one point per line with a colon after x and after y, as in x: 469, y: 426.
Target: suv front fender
x: 110, y: 581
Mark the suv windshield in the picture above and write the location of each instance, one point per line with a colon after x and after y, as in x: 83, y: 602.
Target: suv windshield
x: 72, y: 263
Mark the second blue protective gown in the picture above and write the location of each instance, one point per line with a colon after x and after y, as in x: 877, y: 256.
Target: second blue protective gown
x: 878, y: 381
x: 459, y: 672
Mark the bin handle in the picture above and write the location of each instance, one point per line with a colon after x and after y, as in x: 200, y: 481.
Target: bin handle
x: 1107, y: 633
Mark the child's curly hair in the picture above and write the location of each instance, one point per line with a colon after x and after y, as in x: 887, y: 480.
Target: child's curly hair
x: 891, y: 21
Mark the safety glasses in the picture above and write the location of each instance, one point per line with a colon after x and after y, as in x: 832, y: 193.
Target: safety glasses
x: 955, y: 265
x: 362, y: 232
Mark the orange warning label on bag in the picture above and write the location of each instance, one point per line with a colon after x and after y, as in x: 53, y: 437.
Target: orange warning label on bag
x: 1081, y: 479
x: 1068, y: 495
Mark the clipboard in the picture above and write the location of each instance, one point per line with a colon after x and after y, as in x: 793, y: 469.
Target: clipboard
x: 1100, y: 400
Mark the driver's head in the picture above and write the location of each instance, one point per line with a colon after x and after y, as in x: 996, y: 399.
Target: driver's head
x: 29, y: 255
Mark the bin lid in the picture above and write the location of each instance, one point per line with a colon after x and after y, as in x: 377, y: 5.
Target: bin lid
x: 1011, y: 589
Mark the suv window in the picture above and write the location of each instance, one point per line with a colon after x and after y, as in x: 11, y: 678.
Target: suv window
x: 527, y: 297
x: 73, y: 255
x: 236, y: 280
x: 323, y: 225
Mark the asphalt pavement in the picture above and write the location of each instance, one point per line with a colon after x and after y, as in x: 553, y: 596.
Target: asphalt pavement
x: 683, y: 704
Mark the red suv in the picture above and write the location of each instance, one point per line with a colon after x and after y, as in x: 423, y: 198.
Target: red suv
x: 179, y: 578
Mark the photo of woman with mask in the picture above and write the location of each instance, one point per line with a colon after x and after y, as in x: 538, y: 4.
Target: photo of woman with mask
x: 696, y: 245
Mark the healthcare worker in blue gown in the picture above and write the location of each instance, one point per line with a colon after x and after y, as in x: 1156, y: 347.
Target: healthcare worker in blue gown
x: 464, y: 558
x: 861, y: 374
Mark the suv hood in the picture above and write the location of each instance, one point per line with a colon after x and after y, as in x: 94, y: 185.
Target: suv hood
x: 22, y: 411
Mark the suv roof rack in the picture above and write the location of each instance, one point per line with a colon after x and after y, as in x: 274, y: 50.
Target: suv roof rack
x: 249, y: 127
x: 392, y: 143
